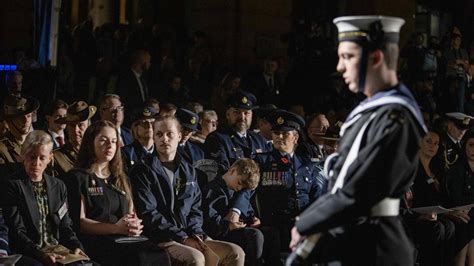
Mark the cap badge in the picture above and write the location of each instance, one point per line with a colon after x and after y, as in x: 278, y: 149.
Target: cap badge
x: 466, y: 121
x: 245, y: 100
x: 193, y: 121
x: 146, y: 112
x: 280, y: 120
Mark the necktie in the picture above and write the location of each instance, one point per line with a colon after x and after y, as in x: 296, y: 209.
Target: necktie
x: 60, y: 141
x: 144, y: 89
x: 270, y: 83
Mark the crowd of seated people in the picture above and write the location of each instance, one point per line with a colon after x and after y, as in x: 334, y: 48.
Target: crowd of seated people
x: 154, y: 172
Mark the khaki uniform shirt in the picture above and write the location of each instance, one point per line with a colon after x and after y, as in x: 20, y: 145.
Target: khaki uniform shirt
x: 10, y: 149
x: 64, y: 159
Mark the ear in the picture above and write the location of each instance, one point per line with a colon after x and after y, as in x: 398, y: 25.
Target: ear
x: 297, y: 136
x: 377, y: 58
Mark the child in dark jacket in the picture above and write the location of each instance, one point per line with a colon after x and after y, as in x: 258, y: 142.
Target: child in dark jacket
x: 220, y: 219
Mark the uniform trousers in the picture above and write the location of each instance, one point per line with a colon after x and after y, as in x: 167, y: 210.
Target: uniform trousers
x: 180, y: 254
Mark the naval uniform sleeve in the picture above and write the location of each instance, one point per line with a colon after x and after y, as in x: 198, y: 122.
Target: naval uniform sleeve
x: 388, y: 155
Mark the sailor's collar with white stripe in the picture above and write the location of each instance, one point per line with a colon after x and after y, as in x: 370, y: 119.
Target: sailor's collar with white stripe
x: 396, y: 95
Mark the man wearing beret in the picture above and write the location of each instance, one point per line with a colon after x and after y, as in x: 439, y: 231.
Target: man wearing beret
x: 377, y: 156
x: 458, y: 123
x: 17, y: 113
x: 236, y: 141
x: 77, y: 120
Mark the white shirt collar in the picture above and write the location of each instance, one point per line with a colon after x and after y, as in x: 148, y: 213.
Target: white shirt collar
x: 244, y: 135
x: 452, y: 139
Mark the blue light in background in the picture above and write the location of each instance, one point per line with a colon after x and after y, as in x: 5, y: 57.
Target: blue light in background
x: 7, y: 67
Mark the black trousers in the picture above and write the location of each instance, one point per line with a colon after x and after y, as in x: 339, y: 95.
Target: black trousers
x: 435, y: 242
x: 261, y: 245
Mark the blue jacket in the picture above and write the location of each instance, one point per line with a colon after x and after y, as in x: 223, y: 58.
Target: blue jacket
x: 134, y: 153
x: 217, y: 201
x: 126, y: 135
x: 191, y: 152
x: 225, y: 146
x: 169, y: 211
x: 287, y: 185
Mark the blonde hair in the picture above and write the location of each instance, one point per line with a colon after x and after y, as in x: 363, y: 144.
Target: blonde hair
x: 36, y: 138
x: 249, y: 170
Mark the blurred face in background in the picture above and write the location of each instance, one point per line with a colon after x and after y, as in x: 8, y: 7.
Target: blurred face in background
x: 430, y: 144
x: 208, y: 124
x: 75, y: 132
x: 20, y: 125
x: 113, y: 111
x: 470, y: 149
x: 58, y: 113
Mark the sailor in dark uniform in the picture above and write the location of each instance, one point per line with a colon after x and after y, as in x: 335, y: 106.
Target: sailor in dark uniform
x: 236, y: 141
x: 458, y: 123
x: 189, y: 121
x: 142, y: 131
x: 376, y: 159
x: 289, y: 182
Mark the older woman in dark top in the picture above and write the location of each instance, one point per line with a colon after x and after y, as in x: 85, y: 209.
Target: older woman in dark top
x: 36, y: 209
x: 101, y: 202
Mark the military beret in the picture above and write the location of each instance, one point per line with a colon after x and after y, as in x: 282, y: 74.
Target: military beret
x: 188, y: 119
x: 242, y: 100
x: 286, y: 121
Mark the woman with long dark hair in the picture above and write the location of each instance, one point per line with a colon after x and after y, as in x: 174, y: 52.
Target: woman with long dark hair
x: 101, y: 202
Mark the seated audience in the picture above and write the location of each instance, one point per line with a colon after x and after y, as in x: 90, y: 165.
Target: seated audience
x: 168, y: 200
x: 53, y: 111
x: 112, y: 109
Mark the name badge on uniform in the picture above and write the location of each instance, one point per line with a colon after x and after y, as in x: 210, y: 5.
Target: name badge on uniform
x: 62, y: 211
x: 95, y: 191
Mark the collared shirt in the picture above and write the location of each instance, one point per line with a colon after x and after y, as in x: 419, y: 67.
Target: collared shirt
x: 47, y: 238
x: 54, y: 136
x: 267, y: 80
x: 453, y: 140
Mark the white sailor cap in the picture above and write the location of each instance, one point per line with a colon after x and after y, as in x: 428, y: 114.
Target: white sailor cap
x: 461, y: 120
x: 367, y: 28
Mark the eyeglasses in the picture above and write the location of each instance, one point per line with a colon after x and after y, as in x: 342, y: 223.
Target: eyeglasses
x: 114, y: 109
x: 146, y: 123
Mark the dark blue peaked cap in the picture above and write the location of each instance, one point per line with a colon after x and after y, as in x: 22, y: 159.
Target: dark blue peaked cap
x: 242, y: 100
x: 286, y: 121
x: 187, y: 119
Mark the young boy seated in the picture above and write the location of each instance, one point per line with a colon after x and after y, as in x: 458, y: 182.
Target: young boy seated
x: 218, y: 197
